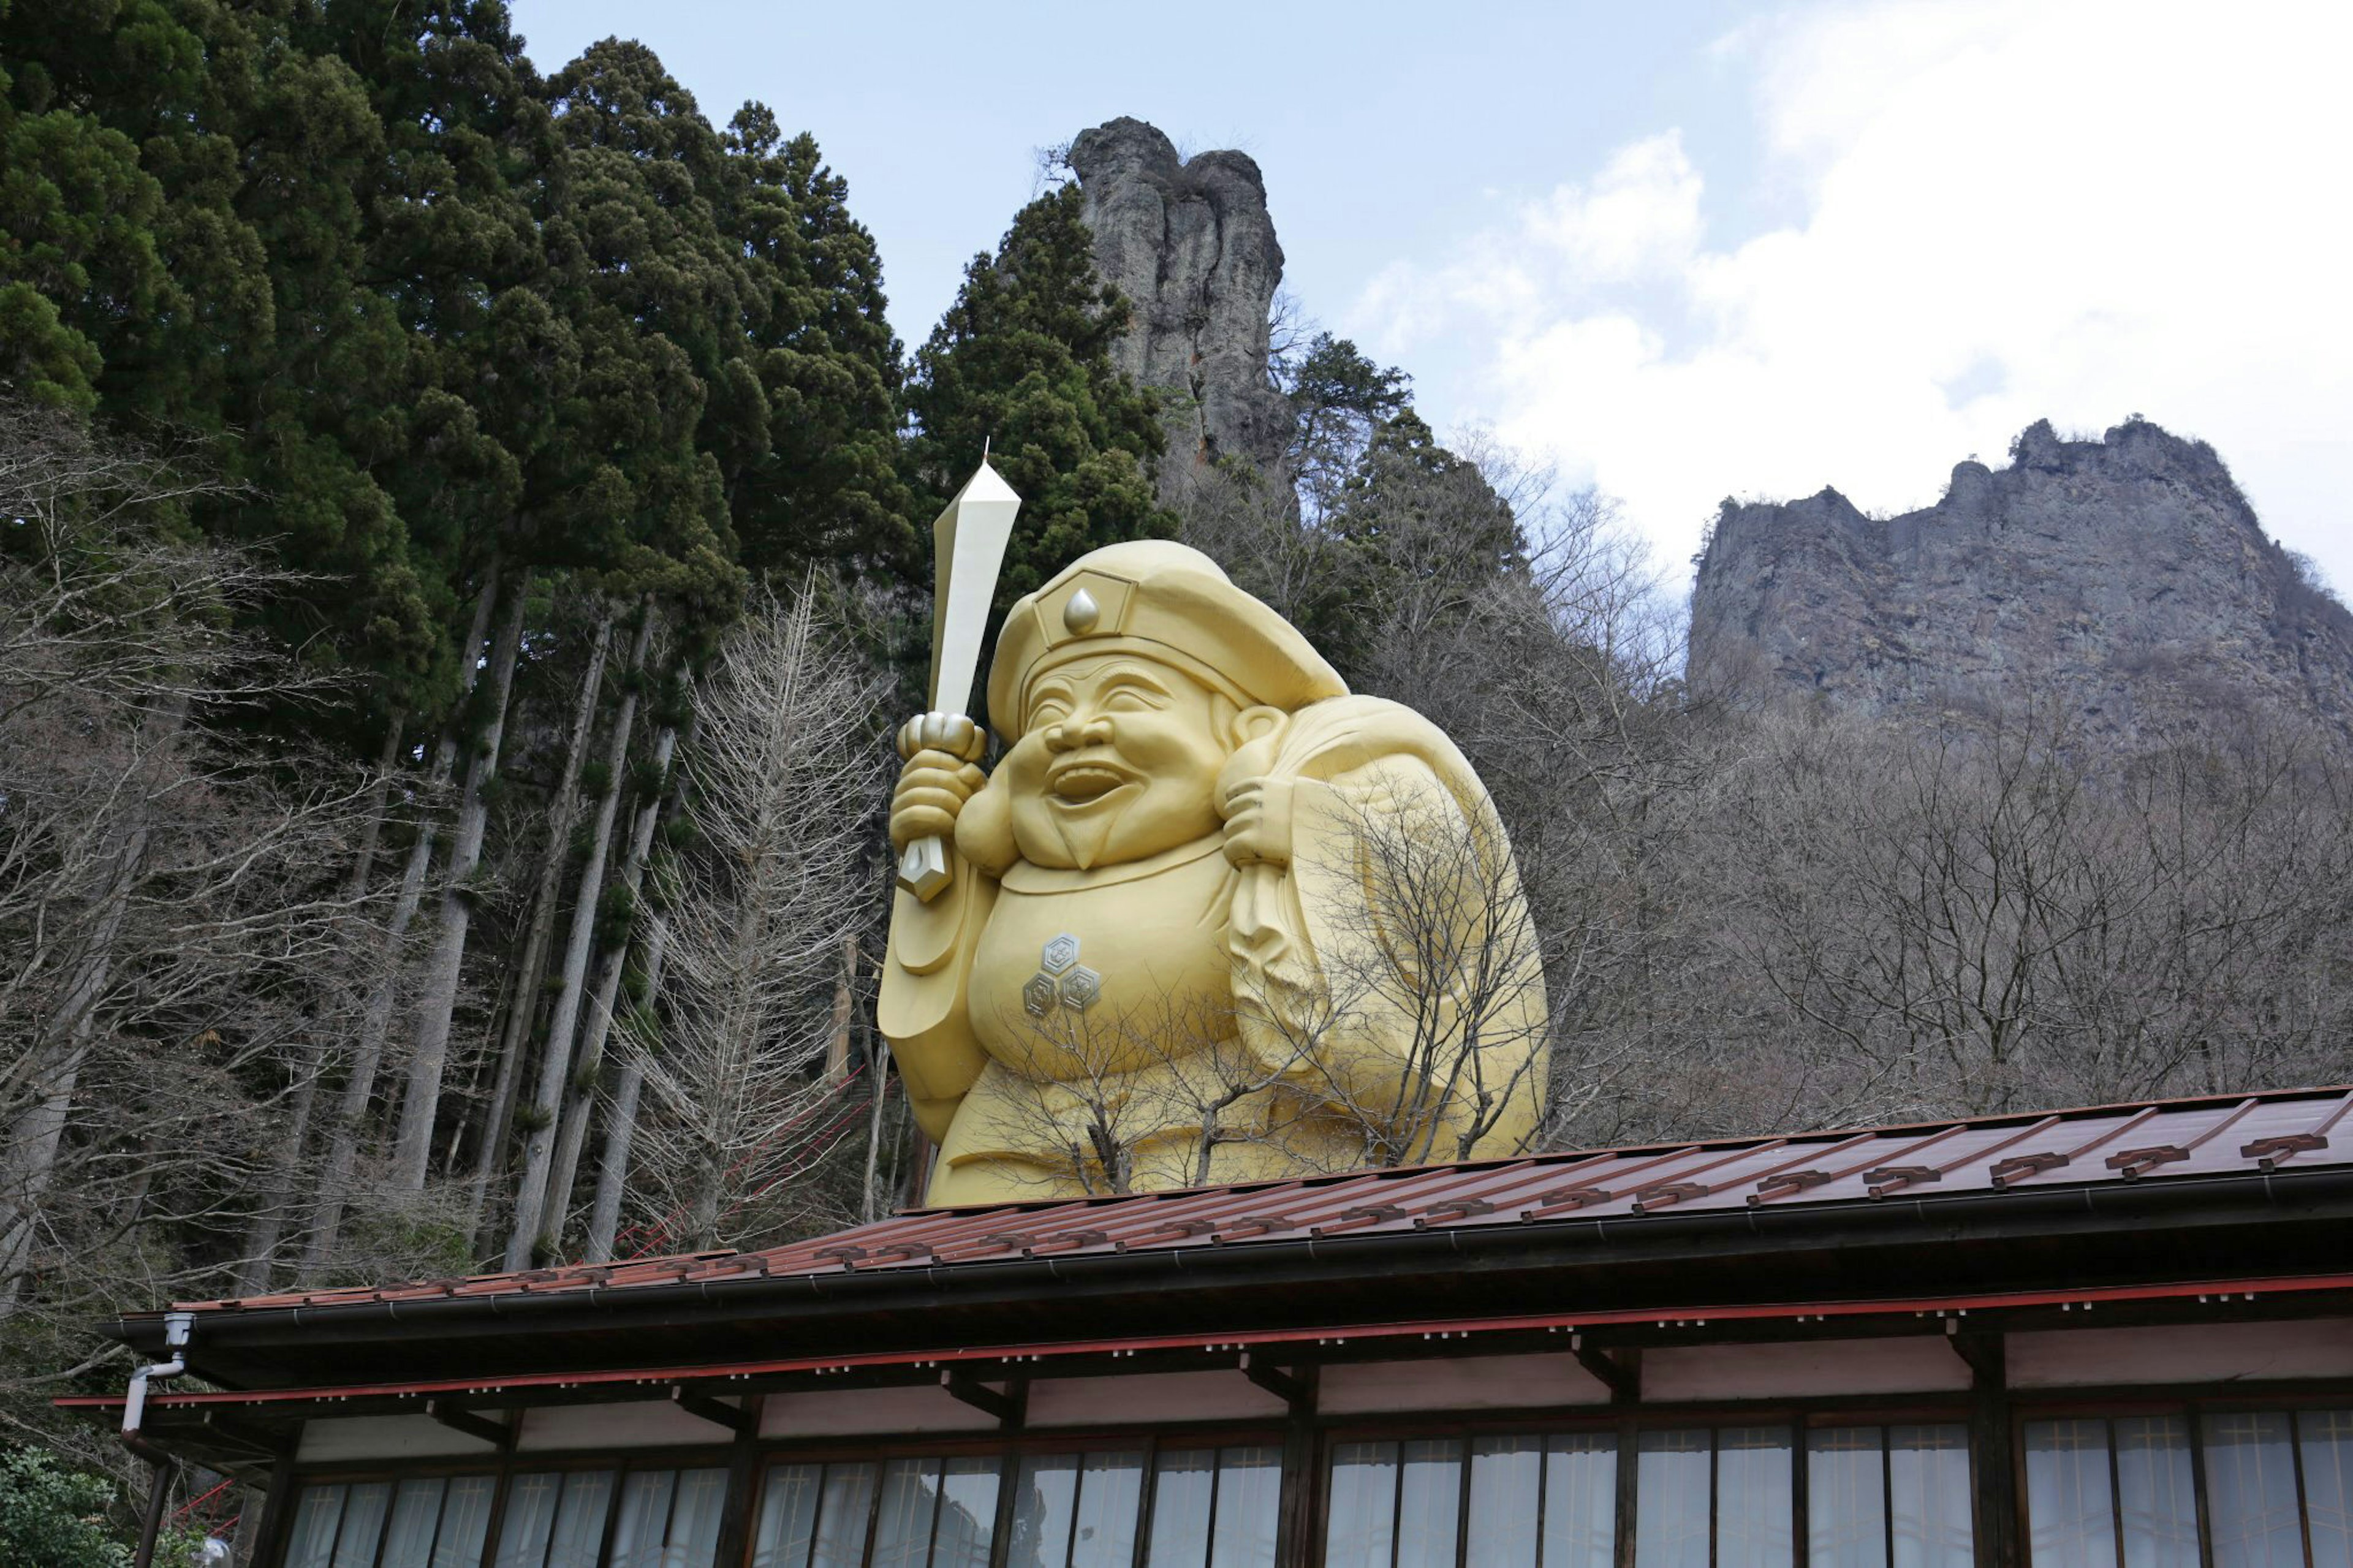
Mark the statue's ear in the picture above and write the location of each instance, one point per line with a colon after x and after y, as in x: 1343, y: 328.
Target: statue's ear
x: 1254, y: 723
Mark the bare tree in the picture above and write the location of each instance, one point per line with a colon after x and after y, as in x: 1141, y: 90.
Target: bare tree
x: 177, y: 905
x: 781, y: 785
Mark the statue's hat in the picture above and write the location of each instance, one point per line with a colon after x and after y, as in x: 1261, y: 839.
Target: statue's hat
x: 1162, y: 600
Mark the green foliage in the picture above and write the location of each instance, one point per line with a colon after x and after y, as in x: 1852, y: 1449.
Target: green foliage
x: 51, y: 1518
x: 1022, y: 362
x: 1339, y: 399
x: 1412, y: 524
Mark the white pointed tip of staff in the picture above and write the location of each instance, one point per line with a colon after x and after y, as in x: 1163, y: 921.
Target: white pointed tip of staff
x: 986, y: 485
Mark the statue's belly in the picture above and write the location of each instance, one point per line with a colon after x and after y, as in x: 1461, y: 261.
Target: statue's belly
x: 1079, y: 975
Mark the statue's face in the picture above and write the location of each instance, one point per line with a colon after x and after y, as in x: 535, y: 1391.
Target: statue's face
x: 1118, y: 761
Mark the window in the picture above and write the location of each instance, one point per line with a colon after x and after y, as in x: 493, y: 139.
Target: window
x: 1508, y: 1501
x: 1728, y: 1488
x: 915, y: 1513
x: 1879, y: 1496
x: 1215, y: 1507
x: 423, y: 1522
x: 1187, y: 1508
x: 1888, y: 1496
x: 657, y: 1518
x: 2264, y: 1488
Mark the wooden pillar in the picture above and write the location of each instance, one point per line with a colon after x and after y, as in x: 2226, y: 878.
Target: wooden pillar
x: 1303, y: 1473
x: 742, y: 1482
x: 266, y: 1543
x: 1994, y: 1466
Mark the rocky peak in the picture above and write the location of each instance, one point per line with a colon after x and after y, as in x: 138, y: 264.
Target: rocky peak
x: 1190, y: 243
x: 2124, y: 578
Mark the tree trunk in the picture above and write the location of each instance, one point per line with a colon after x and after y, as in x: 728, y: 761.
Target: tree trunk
x: 438, y: 999
x: 523, y: 1006
x: 882, y: 1086
x: 837, y: 1045
x: 533, y: 1199
x: 375, y: 1024
x: 253, y: 1275
x: 580, y: 1102
x: 613, y: 1174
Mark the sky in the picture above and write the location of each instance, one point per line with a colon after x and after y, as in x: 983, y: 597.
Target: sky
x: 1683, y: 252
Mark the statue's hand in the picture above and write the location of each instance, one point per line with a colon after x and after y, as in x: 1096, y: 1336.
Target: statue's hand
x: 942, y: 750
x: 1257, y: 821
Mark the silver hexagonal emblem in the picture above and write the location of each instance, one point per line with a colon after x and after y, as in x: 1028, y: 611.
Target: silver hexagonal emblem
x: 1060, y: 954
x: 1080, y: 986
x: 1038, y: 996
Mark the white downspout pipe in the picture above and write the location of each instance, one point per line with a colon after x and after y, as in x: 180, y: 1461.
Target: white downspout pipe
x: 177, y: 1326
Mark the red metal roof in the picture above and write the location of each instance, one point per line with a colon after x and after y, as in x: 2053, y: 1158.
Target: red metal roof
x: 2241, y: 1135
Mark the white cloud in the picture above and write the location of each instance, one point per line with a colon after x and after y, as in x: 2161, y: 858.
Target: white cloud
x: 2073, y: 209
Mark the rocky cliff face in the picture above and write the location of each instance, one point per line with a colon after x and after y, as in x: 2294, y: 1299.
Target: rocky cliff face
x: 1191, y: 246
x: 2124, y: 578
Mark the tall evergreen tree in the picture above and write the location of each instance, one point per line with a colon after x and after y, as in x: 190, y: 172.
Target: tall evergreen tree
x: 809, y: 435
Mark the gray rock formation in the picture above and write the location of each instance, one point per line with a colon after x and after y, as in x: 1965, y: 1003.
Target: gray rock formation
x: 2126, y: 579
x: 1191, y: 246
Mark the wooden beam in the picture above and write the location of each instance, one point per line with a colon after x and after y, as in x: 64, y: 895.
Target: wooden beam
x: 1982, y: 1353
x: 717, y: 1412
x: 1291, y: 1390
x: 265, y: 1443
x: 1622, y: 1374
x: 1008, y: 1408
x: 500, y: 1435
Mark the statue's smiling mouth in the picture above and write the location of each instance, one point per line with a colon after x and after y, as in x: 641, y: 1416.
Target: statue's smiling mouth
x: 1084, y: 783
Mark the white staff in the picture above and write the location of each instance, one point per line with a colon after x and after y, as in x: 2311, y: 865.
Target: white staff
x: 968, y: 546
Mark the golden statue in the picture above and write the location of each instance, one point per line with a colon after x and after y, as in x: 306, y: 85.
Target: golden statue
x: 1212, y: 918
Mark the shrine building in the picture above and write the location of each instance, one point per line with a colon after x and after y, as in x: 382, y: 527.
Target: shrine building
x: 2110, y: 1338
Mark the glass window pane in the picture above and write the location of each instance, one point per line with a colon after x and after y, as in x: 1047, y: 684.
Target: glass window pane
x: 1755, y: 1514
x: 416, y: 1512
x: 315, y: 1519
x: 530, y: 1513
x: 465, y: 1523
x: 1580, y: 1501
x: 1928, y: 1485
x: 645, y: 1515
x: 695, y: 1519
x: 2328, y: 1441
x: 967, y: 1513
x: 2251, y: 1492
x: 1182, y: 1482
x: 364, y: 1512
x: 843, y: 1511
x: 1506, y: 1475
x: 1111, y: 1491
x: 1250, y: 1505
x: 1363, y: 1509
x: 1042, y: 1509
x: 902, y: 1529
x: 787, y: 1517
x: 1430, y: 1500
x: 1670, y: 1500
x: 2070, y: 1519
x: 580, y: 1514
x: 1846, y: 1499
x: 2155, y: 1499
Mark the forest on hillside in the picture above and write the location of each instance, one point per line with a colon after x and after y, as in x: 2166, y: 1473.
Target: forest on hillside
x: 463, y: 555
